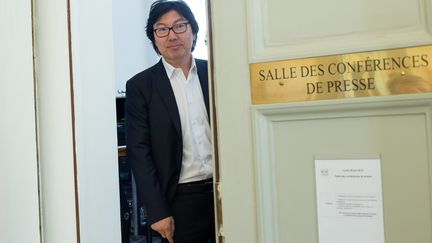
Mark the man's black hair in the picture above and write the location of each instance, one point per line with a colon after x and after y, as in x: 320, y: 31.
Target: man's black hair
x: 161, y: 7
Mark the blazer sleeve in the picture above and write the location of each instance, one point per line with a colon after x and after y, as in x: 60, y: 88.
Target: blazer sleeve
x: 139, y: 149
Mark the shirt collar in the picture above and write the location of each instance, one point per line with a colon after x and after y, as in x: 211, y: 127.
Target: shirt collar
x: 170, y: 69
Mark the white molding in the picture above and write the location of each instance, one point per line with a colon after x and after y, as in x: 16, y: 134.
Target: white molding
x: 265, y: 179
x: 55, y: 123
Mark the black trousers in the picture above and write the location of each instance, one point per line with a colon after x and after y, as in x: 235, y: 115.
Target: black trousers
x: 193, y: 212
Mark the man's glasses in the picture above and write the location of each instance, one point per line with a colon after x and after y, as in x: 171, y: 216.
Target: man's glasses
x: 177, y: 28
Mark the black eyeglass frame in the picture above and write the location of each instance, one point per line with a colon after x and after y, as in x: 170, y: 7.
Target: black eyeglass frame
x: 171, y: 28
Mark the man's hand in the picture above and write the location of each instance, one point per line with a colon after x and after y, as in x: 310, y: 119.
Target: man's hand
x: 165, y: 227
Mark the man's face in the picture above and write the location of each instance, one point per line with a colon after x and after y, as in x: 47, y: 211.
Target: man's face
x: 175, y: 48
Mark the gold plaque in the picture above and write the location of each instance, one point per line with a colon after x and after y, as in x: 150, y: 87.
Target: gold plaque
x: 377, y: 73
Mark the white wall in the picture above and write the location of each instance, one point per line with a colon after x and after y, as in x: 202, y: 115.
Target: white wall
x: 198, y: 8
x: 133, y: 51
x: 19, y: 206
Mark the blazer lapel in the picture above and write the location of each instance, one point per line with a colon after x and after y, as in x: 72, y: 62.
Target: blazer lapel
x: 163, y: 85
x: 203, y: 77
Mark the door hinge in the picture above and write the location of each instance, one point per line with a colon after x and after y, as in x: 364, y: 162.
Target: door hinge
x: 219, y: 220
x: 218, y: 190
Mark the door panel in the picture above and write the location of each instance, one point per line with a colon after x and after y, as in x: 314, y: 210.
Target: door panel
x: 397, y: 131
x: 293, y: 29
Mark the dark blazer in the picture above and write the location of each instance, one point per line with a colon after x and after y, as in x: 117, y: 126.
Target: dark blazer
x: 154, y: 137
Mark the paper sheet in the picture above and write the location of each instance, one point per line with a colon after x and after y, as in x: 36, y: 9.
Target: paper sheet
x: 349, y: 201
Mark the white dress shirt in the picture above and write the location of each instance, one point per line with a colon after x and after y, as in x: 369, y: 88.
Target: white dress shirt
x: 197, y: 155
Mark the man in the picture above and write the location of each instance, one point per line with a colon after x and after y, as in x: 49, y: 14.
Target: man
x: 168, y: 131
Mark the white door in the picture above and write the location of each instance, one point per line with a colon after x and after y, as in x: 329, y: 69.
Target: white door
x: 266, y: 153
x: 19, y: 205
x: 76, y: 121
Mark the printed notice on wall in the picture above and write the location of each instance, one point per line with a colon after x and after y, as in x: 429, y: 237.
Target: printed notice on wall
x: 349, y: 201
